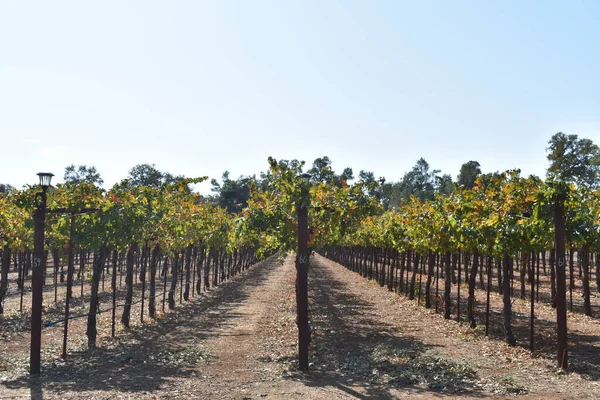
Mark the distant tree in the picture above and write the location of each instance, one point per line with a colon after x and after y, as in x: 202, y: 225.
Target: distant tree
x: 574, y: 160
x: 82, y: 174
x: 321, y: 170
x: 6, y: 188
x: 390, y: 194
x: 347, y: 175
x: 294, y: 165
x: 149, y: 175
x: 145, y: 175
x: 419, y: 182
x: 444, y: 184
x: 233, y: 195
x: 469, y: 172
x: 374, y: 187
x: 168, y: 178
x: 367, y: 177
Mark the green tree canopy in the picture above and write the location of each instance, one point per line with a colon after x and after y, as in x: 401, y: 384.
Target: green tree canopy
x: 469, y: 172
x: 145, y: 175
x: 419, y: 182
x: 444, y: 184
x: 6, y: 188
x: 232, y: 194
x: 574, y: 160
x: 322, y: 171
x: 82, y: 174
x: 149, y: 175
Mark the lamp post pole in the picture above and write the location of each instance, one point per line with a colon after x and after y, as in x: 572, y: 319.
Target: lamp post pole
x: 39, y: 264
x: 302, y: 278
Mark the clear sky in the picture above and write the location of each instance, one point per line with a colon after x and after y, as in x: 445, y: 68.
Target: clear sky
x: 199, y: 87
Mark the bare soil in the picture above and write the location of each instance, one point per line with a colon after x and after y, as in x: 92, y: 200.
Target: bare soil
x: 238, y: 341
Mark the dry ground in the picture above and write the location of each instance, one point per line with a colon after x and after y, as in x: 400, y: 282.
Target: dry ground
x: 238, y: 342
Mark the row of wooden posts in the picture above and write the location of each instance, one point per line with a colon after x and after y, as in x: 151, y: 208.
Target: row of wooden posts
x: 193, y: 269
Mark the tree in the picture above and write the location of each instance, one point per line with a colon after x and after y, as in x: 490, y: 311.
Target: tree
x: 321, y: 170
x: 232, y: 195
x: 145, y: 175
x: 149, y: 175
x: 367, y: 177
x: 444, y: 184
x: 6, y: 188
x: 168, y: 178
x: 574, y: 160
x: 347, y: 175
x: 469, y: 172
x: 82, y: 174
x: 373, y: 187
x: 419, y: 182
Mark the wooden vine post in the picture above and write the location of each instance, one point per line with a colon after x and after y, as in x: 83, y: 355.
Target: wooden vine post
x: 561, y: 292
x: 302, y: 283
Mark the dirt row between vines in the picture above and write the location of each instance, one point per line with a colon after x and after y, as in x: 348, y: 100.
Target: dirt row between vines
x: 238, y: 341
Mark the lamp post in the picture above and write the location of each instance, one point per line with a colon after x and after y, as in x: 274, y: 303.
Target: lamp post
x: 302, y: 276
x: 39, y: 264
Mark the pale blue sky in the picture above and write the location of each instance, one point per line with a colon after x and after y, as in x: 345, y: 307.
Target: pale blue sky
x: 200, y: 87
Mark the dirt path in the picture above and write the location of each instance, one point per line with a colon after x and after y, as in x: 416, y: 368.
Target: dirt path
x: 236, y: 342
x: 239, y: 342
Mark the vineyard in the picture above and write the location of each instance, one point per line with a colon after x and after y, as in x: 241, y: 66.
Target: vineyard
x: 489, y: 237
x: 118, y: 256
x: 508, y: 234
x: 123, y: 258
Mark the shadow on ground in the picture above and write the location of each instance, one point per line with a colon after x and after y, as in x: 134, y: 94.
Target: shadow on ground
x: 584, y: 354
x: 147, y: 358
x: 356, y: 348
x: 584, y: 350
